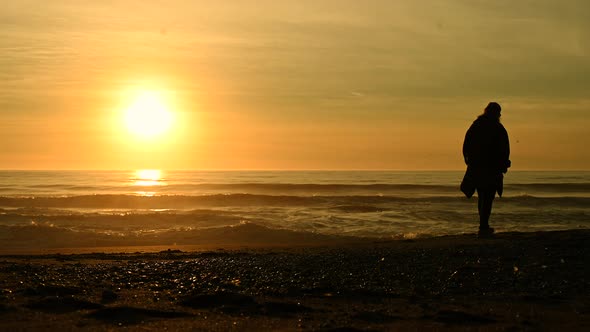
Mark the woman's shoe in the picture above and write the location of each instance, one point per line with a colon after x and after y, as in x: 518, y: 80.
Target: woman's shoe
x: 485, y: 232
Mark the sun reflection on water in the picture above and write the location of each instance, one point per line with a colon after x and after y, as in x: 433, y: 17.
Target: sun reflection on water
x: 148, y: 178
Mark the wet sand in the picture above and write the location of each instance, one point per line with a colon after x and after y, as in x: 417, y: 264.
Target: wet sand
x: 514, y: 281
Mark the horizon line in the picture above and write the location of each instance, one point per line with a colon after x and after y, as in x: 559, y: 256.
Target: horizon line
x: 274, y: 170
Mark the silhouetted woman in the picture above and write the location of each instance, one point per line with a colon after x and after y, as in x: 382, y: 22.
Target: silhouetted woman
x: 486, y: 150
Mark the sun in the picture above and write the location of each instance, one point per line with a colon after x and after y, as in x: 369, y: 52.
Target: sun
x: 148, y: 115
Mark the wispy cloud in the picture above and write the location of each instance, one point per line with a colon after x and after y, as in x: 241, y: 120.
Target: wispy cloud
x: 355, y: 61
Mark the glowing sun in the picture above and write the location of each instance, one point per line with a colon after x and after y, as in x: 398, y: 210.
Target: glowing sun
x: 148, y: 115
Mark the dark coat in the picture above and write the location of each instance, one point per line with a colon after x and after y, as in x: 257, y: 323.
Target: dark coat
x: 486, y: 151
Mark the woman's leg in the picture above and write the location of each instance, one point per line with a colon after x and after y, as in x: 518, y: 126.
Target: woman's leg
x: 485, y: 198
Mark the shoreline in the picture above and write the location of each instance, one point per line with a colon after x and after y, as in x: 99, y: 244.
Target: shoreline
x: 519, y: 281
x: 322, y: 241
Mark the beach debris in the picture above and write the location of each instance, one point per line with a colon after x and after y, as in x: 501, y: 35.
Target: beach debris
x: 171, y: 251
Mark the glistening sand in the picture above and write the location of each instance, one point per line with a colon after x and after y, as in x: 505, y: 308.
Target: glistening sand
x: 514, y: 281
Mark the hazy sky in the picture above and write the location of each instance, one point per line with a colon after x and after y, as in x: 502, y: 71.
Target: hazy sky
x: 369, y: 84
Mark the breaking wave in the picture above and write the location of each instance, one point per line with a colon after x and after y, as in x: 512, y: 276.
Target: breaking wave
x: 61, y: 209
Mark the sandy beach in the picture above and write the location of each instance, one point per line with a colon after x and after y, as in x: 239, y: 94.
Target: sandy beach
x: 514, y: 281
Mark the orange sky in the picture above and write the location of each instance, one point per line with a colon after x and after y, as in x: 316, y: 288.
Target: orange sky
x: 291, y: 85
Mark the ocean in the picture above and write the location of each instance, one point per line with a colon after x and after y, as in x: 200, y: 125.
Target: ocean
x: 60, y: 209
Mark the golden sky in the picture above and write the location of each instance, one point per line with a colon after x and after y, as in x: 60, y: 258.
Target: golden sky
x: 292, y: 84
